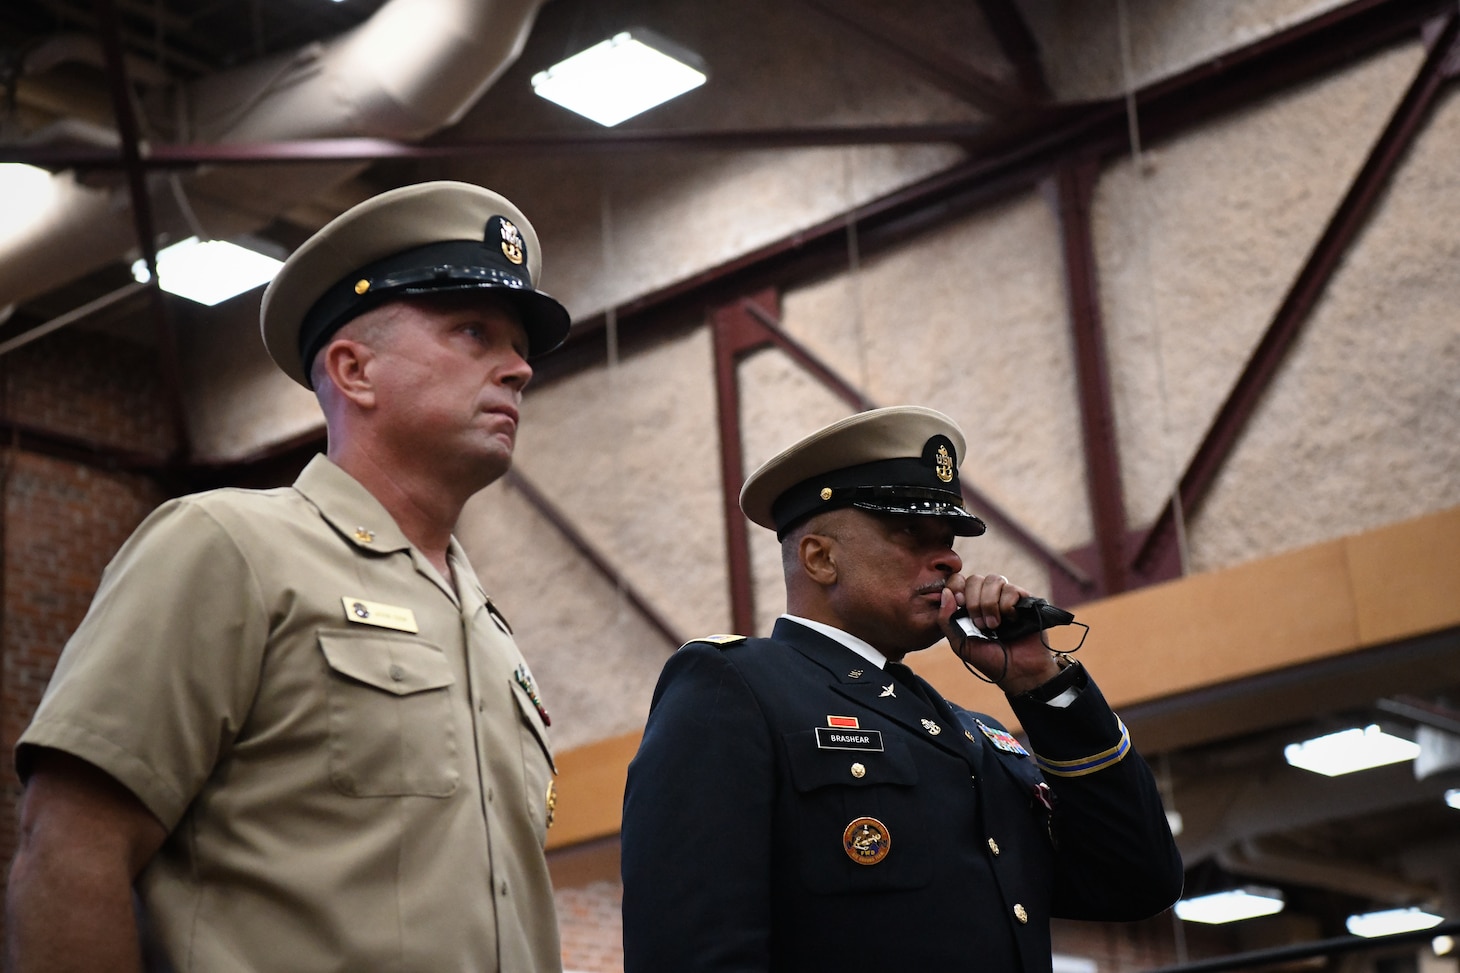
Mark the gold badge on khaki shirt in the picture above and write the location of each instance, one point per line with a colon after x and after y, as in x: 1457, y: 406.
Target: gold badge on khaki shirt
x: 363, y: 612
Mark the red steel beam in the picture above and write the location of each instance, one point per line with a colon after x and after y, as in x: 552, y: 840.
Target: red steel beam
x: 131, y: 157
x: 1312, y: 280
x: 1018, y: 44
x: 1076, y: 183
x: 735, y: 332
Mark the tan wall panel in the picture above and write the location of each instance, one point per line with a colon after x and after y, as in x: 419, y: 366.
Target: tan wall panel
x: 591, y: 790
x: 1406, y: 578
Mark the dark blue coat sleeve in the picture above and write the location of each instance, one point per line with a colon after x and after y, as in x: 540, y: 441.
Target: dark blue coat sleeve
x: 700, y: 789
x: 1115, y: 858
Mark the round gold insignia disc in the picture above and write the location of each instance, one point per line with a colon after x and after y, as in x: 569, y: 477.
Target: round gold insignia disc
x: 866, y: 841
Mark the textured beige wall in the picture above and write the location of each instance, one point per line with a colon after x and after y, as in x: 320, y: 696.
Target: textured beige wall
x: 595, y: 660
x: 235, y: 398
x: 968, y: 319
x: 1081, y: 41
x: 1196, y: 251
x: 631, y: 456
x: 1362, y: 427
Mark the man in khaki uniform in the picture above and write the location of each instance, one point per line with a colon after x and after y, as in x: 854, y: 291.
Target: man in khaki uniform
x: 292, y: 720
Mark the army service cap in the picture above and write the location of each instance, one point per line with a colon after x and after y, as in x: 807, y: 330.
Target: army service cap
x: 430, y: 238
x: 899, y: 460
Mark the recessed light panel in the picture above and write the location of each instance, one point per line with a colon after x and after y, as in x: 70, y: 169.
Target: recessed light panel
x: 209, y: 273
x: 1391, y: 921
x: 1232, y: 905
x: 1347, y: 751
x: 621, y: 77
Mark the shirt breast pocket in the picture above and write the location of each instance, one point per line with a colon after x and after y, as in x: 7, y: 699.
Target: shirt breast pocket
x: 390, y: 724
x: 859, y: 825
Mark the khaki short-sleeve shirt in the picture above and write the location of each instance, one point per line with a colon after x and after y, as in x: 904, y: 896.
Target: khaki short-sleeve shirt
x: 349, y: 754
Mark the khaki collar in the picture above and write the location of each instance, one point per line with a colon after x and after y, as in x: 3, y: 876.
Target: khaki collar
x: 350, y: 508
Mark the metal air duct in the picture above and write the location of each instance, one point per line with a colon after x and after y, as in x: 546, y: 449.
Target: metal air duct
x: 413, y: 68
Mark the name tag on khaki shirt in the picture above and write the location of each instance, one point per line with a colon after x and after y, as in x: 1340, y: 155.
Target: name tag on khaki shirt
x: 364, y: 612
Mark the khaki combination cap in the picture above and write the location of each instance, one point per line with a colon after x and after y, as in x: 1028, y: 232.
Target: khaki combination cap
x: 899, y: 460
x: 431, y: 238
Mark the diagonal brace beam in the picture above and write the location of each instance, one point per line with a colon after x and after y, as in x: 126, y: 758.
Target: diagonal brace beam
x: 1308, y: 287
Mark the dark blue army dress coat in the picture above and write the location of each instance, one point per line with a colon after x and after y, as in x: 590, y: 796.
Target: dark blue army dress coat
x: 793, y: 807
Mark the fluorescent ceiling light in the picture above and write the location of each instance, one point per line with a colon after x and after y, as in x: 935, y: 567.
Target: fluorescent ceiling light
x: 1350, y: 750
x: 210, y: 272
x: 1232, y: 905
x: 1391, y: 921
x: 1452, y: 797
x: 616, y: 79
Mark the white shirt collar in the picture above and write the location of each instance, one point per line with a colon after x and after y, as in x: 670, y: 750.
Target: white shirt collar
x: 858, y: 646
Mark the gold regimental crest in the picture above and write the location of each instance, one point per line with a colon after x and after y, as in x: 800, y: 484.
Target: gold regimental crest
x: 943, y: 465
x: 866, y: 841
x: 511, y: 242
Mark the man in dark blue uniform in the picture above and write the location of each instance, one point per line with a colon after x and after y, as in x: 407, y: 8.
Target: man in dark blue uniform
x: 805, y: 802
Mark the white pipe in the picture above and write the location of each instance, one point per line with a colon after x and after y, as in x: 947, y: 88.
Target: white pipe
x: 413, y: 68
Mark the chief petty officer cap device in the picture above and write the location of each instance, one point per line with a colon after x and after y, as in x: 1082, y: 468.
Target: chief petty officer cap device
x: 431, y: 238
x: 898, y: 460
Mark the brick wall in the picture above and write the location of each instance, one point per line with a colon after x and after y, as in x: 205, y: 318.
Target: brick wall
x: 64, y: 513
x: 589, y: 922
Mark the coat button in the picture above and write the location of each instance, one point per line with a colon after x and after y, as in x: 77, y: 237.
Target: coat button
x: 1020, y: 914
x: 397, y: 673
x: 994, y: 847
x: 858, y: 771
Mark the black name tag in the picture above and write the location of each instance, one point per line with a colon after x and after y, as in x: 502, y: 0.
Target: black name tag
x: 836, y: 738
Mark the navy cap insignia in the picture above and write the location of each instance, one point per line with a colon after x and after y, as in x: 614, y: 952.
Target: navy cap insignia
x: 943, y: 464
x: 866, y: 841
x: 511, y: 240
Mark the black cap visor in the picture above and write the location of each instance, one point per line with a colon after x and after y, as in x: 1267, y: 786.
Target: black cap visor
x: 894, y: 488
x: 439, y: 268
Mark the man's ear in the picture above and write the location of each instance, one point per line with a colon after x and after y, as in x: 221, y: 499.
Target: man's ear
x: 347, y: 367
x: 817, y: 558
